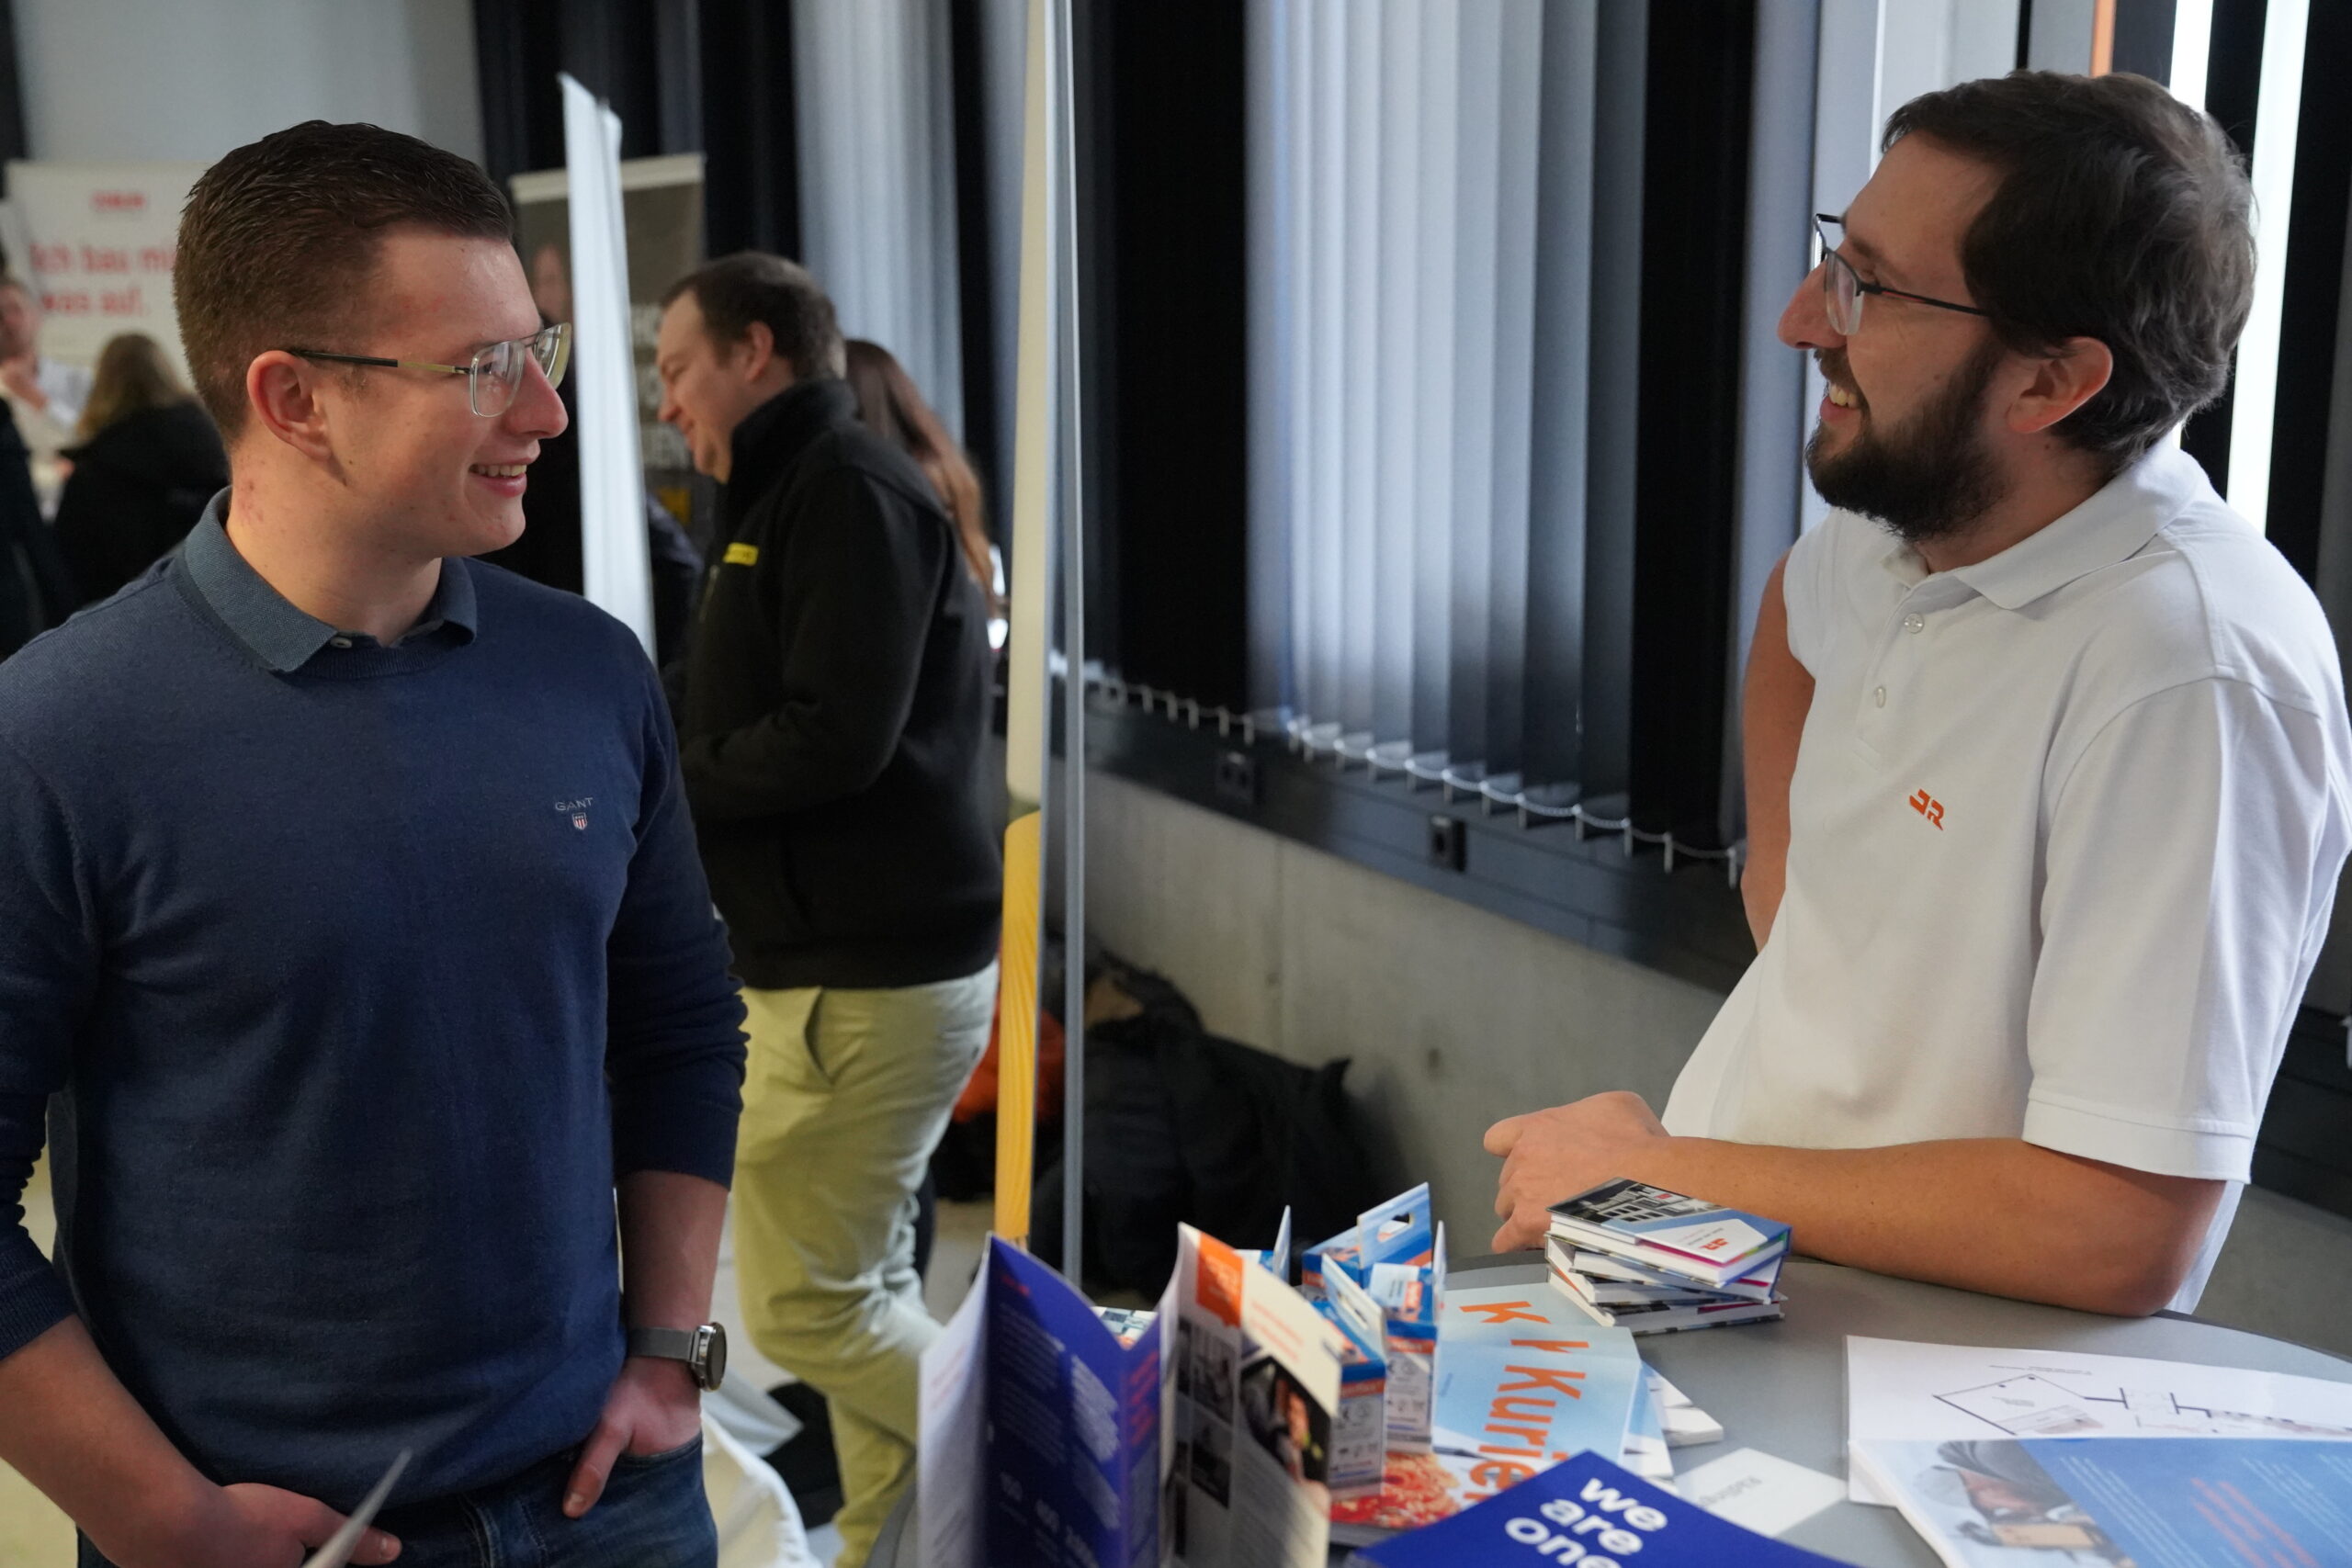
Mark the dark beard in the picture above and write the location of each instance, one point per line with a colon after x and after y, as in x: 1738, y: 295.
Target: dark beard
x: 1928, y: 480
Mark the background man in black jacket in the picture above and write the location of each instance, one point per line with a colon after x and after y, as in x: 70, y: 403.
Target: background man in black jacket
x: 836, y: 703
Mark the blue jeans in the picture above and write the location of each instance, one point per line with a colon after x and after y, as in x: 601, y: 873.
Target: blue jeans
x: 652, y: 1515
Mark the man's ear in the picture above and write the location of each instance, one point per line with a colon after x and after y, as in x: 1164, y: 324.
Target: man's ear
x: 756, y: 352
x: 2062, y: 381
x: 282, y: 392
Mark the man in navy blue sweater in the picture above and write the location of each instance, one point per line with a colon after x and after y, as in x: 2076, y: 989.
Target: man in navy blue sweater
x: 350, y: 912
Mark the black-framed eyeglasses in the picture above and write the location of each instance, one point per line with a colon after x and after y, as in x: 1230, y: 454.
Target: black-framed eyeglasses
x: 1845, y: 289
x: 493, y: 375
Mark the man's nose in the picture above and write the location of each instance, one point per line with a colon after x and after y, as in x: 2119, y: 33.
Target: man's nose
x: 1804, y: 323
x: 537, y: 409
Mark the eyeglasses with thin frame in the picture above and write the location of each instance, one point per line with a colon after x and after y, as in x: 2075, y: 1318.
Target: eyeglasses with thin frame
x: 1845, y: 289
x: 494, y: 374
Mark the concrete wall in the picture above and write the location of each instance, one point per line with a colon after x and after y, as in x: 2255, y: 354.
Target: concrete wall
x: 191, y: 79
x: 1456, y: 1018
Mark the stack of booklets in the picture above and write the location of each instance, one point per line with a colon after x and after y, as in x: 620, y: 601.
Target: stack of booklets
x: 1640, y: 1258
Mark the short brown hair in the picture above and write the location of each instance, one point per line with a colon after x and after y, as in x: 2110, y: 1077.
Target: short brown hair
x: 2123, y: 214
x: 753, y: 286
x: 278, y: 240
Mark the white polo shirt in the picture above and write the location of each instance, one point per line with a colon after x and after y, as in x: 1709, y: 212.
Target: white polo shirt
x: 2066, y: 827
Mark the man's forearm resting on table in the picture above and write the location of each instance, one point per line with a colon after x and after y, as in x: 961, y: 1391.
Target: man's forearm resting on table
x: 1994, y: 1215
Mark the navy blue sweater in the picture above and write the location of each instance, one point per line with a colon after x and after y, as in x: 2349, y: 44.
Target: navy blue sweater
x: 359, y: 972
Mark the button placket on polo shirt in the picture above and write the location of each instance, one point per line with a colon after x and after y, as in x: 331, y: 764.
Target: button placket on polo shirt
x: 1901, y: 654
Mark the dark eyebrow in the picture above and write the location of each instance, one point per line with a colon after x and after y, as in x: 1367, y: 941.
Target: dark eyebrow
x: 1868, y: 252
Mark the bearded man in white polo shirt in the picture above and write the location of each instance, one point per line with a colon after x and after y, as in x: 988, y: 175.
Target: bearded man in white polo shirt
x: 2046, y: 746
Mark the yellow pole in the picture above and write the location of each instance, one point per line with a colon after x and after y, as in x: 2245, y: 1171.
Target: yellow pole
x: 1016, y: 1095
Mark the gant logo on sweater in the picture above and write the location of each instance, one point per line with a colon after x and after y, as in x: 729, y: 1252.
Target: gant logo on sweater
x: 1930, y: 807
x: 577, y: 810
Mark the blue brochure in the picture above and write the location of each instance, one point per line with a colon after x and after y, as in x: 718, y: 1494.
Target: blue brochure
x: 1205, y: 1439
x: 1590, y: 1513
x: 2153, y: 1501
x: 1074, y: 1422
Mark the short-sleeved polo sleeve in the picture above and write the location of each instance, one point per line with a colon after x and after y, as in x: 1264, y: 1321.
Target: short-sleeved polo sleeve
x: 1805, y: 591
x: 2192, y: 854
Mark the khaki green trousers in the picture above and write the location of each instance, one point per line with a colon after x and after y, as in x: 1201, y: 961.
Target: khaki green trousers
x: 846, y: 1095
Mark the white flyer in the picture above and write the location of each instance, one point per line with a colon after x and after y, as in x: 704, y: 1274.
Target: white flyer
x: 1905, y: 1391
x: 951, y: 1416
x: 1759, y: 1491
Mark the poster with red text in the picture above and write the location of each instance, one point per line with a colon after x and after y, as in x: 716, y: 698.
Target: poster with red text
x: 97, y: 241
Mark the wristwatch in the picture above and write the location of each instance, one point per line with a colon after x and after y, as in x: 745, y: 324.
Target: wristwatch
x: 704, y: 1349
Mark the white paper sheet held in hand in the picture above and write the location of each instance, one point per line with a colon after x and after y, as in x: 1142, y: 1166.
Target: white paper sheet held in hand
x: 1905, y: 1391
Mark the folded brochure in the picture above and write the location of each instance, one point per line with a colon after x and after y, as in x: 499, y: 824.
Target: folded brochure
x: 1524, y: 1382
x: 1051, y: 1440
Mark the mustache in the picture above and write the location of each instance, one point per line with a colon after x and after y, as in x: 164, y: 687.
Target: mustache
x: 1832, y: 365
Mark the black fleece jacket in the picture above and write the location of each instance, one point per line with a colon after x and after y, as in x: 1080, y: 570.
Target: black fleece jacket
x: 836, y: 703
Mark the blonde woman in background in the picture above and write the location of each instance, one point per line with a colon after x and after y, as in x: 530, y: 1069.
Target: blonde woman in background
x: 146, y: 459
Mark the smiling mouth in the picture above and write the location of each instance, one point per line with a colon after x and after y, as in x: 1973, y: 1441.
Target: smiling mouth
x: 500, y: 470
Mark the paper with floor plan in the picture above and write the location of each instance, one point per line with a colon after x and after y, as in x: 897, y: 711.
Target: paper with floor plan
x: 1903, y: 1391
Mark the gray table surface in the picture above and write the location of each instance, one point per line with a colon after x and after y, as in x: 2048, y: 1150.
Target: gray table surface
x: 1781, y: 1387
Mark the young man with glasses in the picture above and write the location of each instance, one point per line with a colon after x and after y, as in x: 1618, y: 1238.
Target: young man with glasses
x: 2046, y: 746
x: 350, y: 909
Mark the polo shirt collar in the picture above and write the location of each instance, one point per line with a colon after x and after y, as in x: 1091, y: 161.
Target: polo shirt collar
x: 272, y: 630
x: 2113, y: 525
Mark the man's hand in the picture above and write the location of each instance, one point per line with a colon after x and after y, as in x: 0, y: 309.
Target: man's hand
x: 654, y: 1405
x: 245, y: 1525
x: 1555, y: 1154
x: 68, y: 1426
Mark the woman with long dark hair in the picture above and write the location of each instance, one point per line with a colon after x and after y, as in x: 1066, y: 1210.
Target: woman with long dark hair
x: 889, y: 403
x: 147, y: 462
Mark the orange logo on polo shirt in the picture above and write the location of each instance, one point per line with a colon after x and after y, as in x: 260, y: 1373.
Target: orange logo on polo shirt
x: 1930, y: 807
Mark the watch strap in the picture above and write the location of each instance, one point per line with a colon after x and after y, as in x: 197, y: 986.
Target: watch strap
x: 664, y: 1344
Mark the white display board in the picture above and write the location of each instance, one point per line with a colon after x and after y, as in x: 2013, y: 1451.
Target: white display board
x: 615, y: 572
x: 99, y: 240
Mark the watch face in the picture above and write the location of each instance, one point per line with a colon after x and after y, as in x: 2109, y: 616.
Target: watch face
x: 714, y: 1349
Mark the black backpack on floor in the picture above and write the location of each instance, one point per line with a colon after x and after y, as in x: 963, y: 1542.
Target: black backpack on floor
x: 1181, y: 1125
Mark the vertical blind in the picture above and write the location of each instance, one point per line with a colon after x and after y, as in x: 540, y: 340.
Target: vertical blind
x: 1521, y: 444
x: 872, y: 80
x: 1447, y: 209
x: 1398, y: 192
